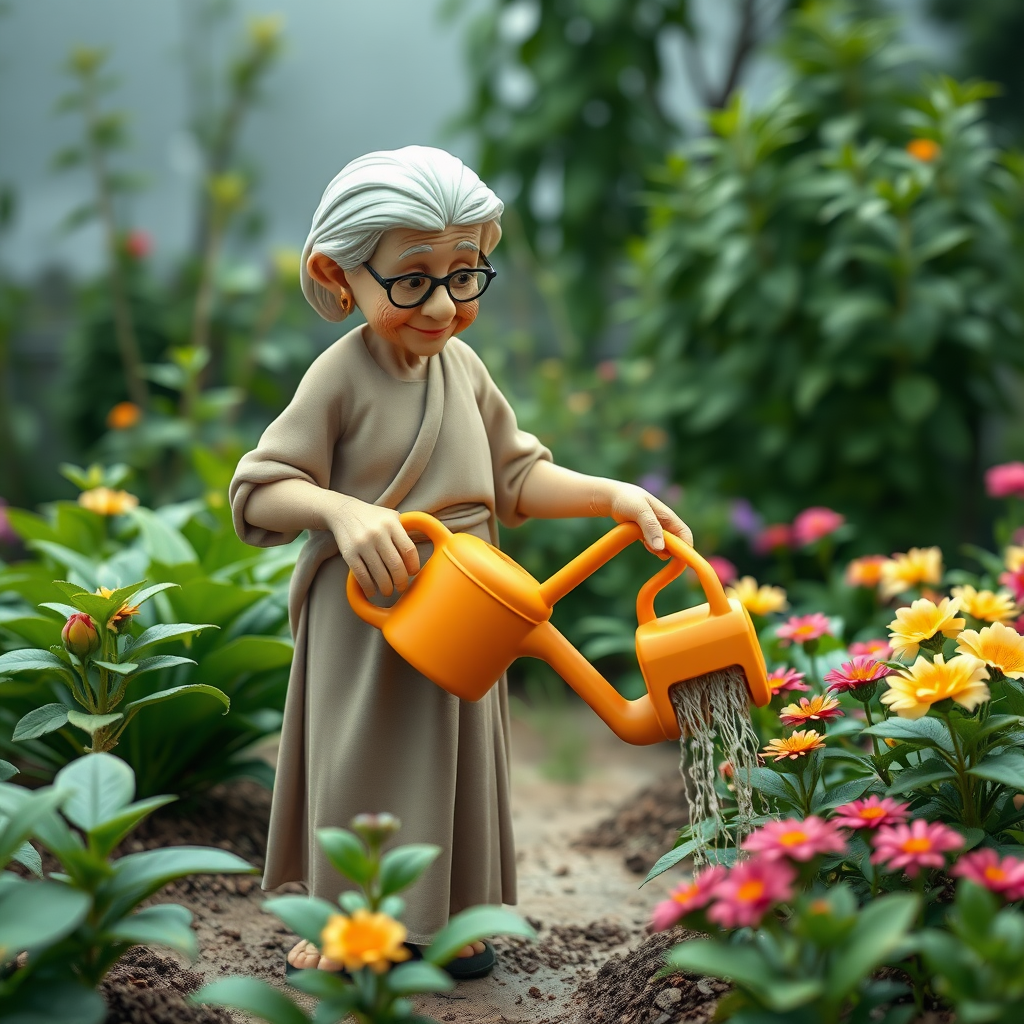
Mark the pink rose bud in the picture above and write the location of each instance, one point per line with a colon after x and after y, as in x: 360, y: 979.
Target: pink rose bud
x: 80, y: 636
x: 1005, y: 481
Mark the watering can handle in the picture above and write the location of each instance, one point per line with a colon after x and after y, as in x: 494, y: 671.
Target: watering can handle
x: 434, y: 530
x: 682, y: 555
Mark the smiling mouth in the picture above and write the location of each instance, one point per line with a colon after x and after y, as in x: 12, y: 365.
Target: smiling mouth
x: 436, y: 333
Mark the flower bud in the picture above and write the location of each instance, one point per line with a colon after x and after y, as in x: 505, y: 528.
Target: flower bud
x: 80, y: 636
x: 375, y: 828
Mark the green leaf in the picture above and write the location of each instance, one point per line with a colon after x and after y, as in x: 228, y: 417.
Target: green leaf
x: 38, y: 631
x: 7, y: 770
x: 99, y: 787
x: 1006, y: 767
x: 245, y: 654
x: 140, y: 598
x: 252, y: 996
x: 28, y: 857
x: 914, y: 396
x: 408, y: 979
x: 103, y: 838
x: 176, y: 691
x: 119, y: 668
x: 774, y: 784
x: 346, y: 853
x: 327, y: 985
x: 65, y: 558
x: 31, y: 660
x: 683, y: 850
x: 838, y: 795
x: 472, y: 925
x: 166, y: 924
x: 60, y: 1000
x: 400, y: 867
x: 40, y: 721
x: 161, y: 661
x: 918, y: 776
x: 25, y: 812
x: 925, y: 732
x: 34, y: 914
x: 160, y: 541
x: 880, y: 928
x: 165, y: 631
x: 92, y: 723
x: 307, y: 916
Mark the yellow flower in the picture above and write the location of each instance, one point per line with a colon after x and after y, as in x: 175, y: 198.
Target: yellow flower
x: 920, y: 622
x: 985, y: 605
x: 917, y: 566
x: 1014, y: 558
x: 121, y: 616
x: 799, y: 743
x: 915, y: 689
x: 107, y: 502
x: 758, y: 600
x: 865, y: 571
x: 364, y: 940
x: 580, y: 402
x: 997, y: 645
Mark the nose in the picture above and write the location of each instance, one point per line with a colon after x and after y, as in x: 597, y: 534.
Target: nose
x: 439, y: 306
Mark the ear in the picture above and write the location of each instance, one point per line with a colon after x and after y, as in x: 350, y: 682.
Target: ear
x: 325, y: 271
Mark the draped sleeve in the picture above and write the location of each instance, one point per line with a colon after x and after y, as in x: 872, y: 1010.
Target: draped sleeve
x: 513, y: 451
x: 298, y: 445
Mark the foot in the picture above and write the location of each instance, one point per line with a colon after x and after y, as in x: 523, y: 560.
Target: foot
x: 306, y: 956
x: 471, y: 950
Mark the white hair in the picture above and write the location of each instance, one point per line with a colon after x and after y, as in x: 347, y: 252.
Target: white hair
x: 414, y: 187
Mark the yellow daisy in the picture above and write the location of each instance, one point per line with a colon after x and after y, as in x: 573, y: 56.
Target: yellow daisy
x: 917, y: 566
x: 758, y: 600
x: 920, y: 622
x: 915, y: 689
x: 798, y: 744
x: 1014, y: 558
x: 998, y: 645
x: 986, y: 605
x: 107, y: 502
x: 364, y: 940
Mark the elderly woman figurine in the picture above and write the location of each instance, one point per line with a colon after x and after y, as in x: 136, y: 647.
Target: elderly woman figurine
x: 399, y: 414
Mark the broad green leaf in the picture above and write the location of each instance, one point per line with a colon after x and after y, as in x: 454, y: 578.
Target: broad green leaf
x: 39, y: 721
x: 307, y: 916
x: 252, y: 996
x: 400, y: 867
x: 66, y: 610
x: 881, y: 927
x: 928, y: 732
x: 28, y: 857
x: 66, y: 558
x: 159, y: 662
x: 103, y: 838
x: 472, y: 925
x: 58, y: 1001
x: 245, y: 654
x: 159, y: 540
x: 24, y: 811
x: 177, y: 691
x: 38, y: 631
x: 92, y: 723
x: 144, y: 595
x: 119, y: 668
x: 166, y: 924
x: 774, y: 784
x: 839, y: 795
x: 164, y: 632
x: 347, y: 854
x: 100, y: 786
x: 39, y: 913
x: 1006, y: 767
x: 7, y: 770
x: 418, y: 976
x: 338, y: 988
x: 32, y: 660
x: 681, y: 852
x: 352, y: 900
x: 918, y: 776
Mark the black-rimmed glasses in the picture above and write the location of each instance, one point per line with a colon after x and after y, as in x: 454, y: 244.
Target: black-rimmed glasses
x: 410, y: 290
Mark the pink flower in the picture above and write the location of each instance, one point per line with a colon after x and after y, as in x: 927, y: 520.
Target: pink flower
x: 686, y: 898
x: 608, y: 369
x: 749, y: 891
x: 855, y: 673
x: 1014, y: 582
x: 803, y: 629
x: 138, y: 244
x: 795, y: 839
x: 1005, y: 481
x: 871, y: 812
x: 778, y: 535
x: 815, y: 523
x: 877, y: 649
x: 783, y: 678
x: 724, y: 569
x: 1005, y: 877
x: 817, y: 709
x: 7, y: 534
x: 920, y: 844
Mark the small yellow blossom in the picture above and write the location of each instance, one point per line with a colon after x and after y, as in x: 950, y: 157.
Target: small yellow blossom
x: 122, y: 615
x: 799, y: 743
x: 915, y: 689
x: 580, y: 402
x: 758, y: 600
x: 364, y: 940
x: 653, y: 439
x: 865, y: 571
x: 920, y: 622
x: 1014, y: 558
x: 917, y: 566
x: 986, y: 605
x: 107, y: 502
x: 998, y: 645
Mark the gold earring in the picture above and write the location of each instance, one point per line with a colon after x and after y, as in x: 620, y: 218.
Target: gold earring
x: 345, y: 302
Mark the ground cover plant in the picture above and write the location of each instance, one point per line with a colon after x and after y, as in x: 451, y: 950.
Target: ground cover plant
x: 892, y: 765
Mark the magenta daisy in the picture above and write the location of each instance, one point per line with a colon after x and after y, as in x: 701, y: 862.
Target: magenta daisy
x: 817, y: 709
x: 749, y: 891
x: 921, y: 844
x: 687, y: 897
x: 871, y: 812
x: 795, y: 839
x: 803, y: 629
x: 783, y: 678
x: 815, y: 523
x: 855, y: 673
x: 878, y: 649
x: 1002, y: 876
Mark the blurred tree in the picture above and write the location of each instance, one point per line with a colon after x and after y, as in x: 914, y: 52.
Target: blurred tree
x: 831, y: 289
x: 566, y: 111
x: 993, y: 41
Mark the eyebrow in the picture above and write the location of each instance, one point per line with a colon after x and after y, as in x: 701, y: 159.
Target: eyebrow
x: 464, y: 244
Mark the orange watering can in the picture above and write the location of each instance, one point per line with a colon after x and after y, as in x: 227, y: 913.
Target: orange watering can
x: 471, y: 611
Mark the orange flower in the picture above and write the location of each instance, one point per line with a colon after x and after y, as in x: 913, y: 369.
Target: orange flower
x: 817, y: 709
x: 800, y: 743
x: 123, y: 416
x: 364, y: 940
x: 122, y: 615
x: 653, y: 438
x: 925, y: 150
x: 997, y: 645
x: 106, y: 502
x: 866, y: 571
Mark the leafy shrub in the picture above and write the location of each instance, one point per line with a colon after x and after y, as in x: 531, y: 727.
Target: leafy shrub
x: 76, y: 924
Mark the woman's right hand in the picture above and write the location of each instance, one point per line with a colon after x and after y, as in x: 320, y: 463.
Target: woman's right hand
x: 375, y: 545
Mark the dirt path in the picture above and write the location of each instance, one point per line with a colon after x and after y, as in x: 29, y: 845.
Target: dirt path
x: 585, y: 902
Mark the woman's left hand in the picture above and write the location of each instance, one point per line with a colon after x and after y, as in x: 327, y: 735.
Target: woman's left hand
x: 632, y: 504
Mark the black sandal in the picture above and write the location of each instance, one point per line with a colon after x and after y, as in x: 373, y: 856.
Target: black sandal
x: 479, y: 965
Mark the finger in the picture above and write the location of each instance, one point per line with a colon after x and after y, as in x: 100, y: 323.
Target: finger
x: 406, y: 550
x: 363, y: 577
x: 671, y: 522
x: 379, y: 571
x: 395, y: 565
x: 647, y: 520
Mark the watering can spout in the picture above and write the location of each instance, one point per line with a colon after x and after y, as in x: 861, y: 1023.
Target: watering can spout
x: 635, y: 721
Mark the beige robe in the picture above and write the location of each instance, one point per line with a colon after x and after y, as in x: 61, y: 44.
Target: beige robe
x: 363, y: 730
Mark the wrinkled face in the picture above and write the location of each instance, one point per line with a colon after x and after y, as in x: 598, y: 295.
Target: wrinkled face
x: 424, y: 330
